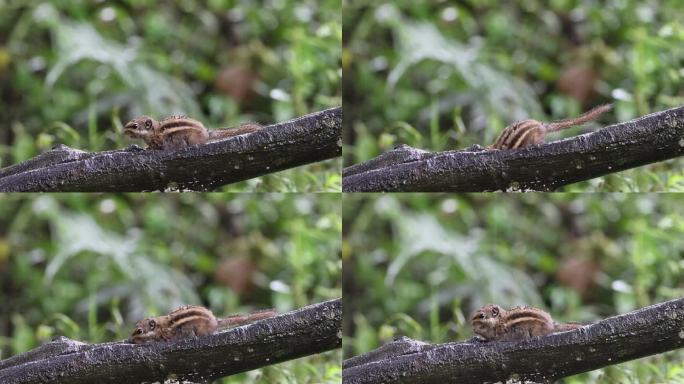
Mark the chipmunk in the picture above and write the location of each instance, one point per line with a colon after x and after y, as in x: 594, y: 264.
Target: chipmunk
x: 530, y: 132
x: 189, y: 321
x: 494, y: 323
x: 177, y: 132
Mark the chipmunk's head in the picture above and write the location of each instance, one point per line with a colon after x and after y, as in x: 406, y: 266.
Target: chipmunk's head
x: 146, y: 330
x: 484, y: 320
x: 140, y: 127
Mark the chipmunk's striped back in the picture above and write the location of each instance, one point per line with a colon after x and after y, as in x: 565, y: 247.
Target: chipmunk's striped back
x: 174, y: 124
x: 519, y: 134
x: 526, y: 315
x: 193, y: 316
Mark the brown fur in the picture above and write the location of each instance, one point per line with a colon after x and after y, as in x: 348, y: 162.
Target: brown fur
x: 532, y: 132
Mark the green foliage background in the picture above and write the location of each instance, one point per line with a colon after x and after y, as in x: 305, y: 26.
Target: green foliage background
x: 444, y: 75
x: 89, y: 266
x: 417, y: 264
x: 74, y: 72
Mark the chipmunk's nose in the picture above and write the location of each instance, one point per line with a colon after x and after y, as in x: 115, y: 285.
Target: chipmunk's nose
x: 131, y: 126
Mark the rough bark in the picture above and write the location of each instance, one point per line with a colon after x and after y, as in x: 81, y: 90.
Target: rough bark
x: 634, y: 143
x: 310, y: 330
x: 311, y: 138
x: 651, y: 330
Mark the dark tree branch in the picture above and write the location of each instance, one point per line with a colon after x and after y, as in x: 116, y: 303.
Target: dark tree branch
x: 311, y: 138
x: 652, y: 138
x: 401, y: 346
x: 310, y: 330
x: 644, y: 332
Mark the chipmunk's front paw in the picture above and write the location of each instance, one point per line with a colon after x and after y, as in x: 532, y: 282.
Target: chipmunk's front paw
x: 476, y: 148
x: 133, y: 148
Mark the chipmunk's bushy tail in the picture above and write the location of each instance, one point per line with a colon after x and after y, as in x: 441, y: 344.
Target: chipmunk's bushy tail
x: 592, y: 114
x: 562, y: 327
x: 218, y: 134
x: 238, y: 320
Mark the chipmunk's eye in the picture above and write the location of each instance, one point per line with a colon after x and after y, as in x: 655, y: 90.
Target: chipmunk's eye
x: 137, y: 331
x: 495, y: 312
x: 148, y: 124
x: 152, y: 324
x: 481, y: 316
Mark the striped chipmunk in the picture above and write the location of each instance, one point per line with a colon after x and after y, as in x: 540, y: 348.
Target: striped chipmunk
x: 178, y: 132
x: 493, y: 323
x: 531, y: 132
x: 188, y: 322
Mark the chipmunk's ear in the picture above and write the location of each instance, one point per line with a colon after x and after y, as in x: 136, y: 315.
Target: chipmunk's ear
x: 495, y: 311
x: 152, y: 324
x: 148, y: 123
